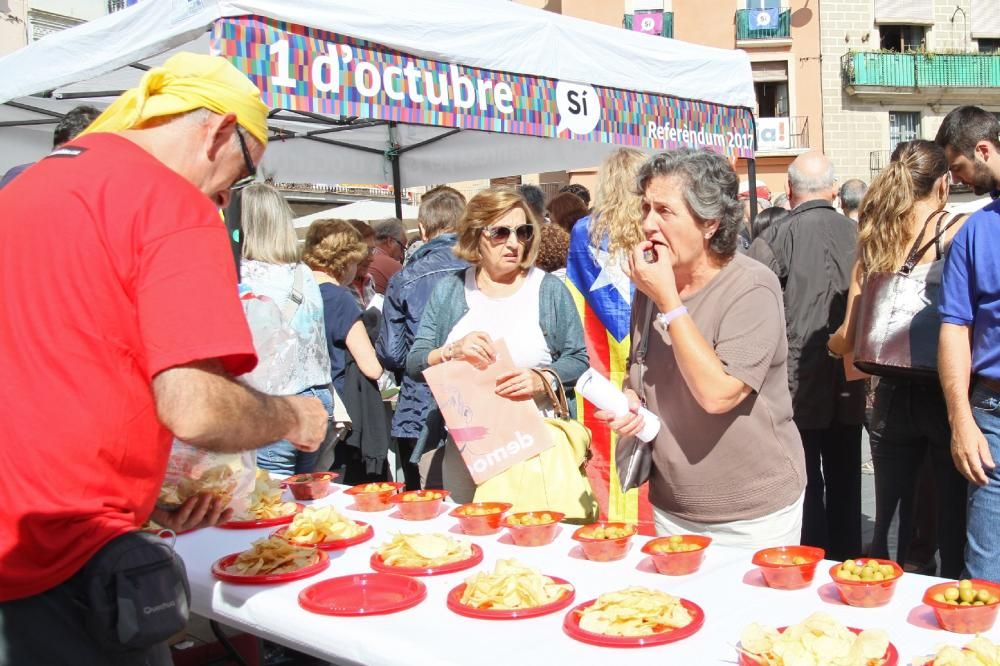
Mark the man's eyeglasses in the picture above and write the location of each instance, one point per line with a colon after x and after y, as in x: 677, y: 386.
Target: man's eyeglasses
x: 247, y: 162
x: 523, y: 232
x: 402, y: 247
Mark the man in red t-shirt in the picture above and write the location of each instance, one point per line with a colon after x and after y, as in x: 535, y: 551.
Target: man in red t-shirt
x: 119, y: 325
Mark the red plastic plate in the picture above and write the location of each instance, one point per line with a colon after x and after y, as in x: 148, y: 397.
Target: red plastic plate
x: 363, y: 594
x: 477, y: 556
x: 455, y: 604
x: 571, y: 625
x: 337, y: 544
x: 261, y: 522
x: 890, y: 658
x: 220, y: 571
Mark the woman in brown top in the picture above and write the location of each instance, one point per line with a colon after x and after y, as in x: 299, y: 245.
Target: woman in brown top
x: 727, y: 461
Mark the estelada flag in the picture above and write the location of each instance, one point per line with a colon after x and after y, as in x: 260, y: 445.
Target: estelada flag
x: 603, y: 295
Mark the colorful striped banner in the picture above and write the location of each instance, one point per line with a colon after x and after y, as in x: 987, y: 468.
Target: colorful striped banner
x: 299, y: 68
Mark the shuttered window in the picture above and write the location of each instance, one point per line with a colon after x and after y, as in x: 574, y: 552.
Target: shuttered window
x: 904, y: 11
x: 773, y: 71
x: 985, y: 20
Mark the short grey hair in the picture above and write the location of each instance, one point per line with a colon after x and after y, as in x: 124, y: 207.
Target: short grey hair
x: 710, y: 191
x: 801, y: 182
x: 851, y: 194
x: 390, y: 227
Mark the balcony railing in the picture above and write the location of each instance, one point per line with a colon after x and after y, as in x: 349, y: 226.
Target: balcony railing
x: 668, y: 23
x: 921, y: 70
x: 747, y: 28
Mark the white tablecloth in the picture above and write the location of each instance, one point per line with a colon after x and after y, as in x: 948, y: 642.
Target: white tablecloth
x: 728, y: 587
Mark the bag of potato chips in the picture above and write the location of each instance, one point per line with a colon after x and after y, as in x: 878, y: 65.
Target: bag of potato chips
x: 190, y: 470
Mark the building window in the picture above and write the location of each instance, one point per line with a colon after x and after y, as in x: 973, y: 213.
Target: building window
x: 894, y: 37
x: 988, y: 45
x: 42, y: 23
x: 903, y: 126
x: 770, y: 82
x: 772, y: 99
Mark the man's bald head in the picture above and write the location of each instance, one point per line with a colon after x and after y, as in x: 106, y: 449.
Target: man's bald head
x: 810, y: 177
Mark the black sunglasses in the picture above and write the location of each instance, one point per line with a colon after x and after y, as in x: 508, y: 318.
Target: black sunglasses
x: 523, y: 232
x: 247, y: 162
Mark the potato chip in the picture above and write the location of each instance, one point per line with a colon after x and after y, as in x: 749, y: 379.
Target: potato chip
x: 315, y: 525
x: 818, y: 641
x: 424, y: 550
x: 219, y: 480
x: 980, y: 651
x: 272, y: 556
x: 511, y: 586
x: 265, y: 499
x: 634, y: 611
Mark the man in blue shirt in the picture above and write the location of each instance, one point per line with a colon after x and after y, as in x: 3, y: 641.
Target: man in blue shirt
x: 405, y: 299
x: 969, y: 345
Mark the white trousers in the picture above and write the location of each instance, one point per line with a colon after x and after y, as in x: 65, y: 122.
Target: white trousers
x: 781, y: 528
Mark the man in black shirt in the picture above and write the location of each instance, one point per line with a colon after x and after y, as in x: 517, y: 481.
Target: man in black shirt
x: 812, y: 254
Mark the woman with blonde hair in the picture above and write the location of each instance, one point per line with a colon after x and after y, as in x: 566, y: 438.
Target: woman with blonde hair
x: 333, y: 250
x: 903, y: 211
x: 597, y: 248
x: 272, y: 271
x: 501, y: 296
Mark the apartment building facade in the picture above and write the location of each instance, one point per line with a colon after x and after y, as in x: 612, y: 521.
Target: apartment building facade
x: 892, y: 69
x: 782, y: 39
x: 26, y: 21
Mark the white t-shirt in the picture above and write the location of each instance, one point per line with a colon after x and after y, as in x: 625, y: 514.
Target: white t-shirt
x: 513, y: 319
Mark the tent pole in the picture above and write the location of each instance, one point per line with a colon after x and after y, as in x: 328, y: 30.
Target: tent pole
x: 397, y: 180
x: 752, y: 174
x: 397, y: 189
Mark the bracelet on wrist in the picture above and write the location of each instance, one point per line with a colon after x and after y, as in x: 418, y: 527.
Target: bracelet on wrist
x: 664, y: 319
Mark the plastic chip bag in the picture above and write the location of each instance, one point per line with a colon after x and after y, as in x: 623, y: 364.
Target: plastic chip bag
x: 190, y: 470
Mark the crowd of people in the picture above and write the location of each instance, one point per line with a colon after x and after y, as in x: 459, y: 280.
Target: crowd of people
x: 743, y: 332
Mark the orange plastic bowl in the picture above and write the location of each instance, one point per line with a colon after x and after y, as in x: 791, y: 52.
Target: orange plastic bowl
x: 964, y: 619
x: 424, y: 507
x: 603, y: 550
x: 533, y: 535
x: 373, y: 501
x: 779, y: 569
x: 479, y: 525
x: 679, y: 563
x: 310, y: 486
x: 867, y: 593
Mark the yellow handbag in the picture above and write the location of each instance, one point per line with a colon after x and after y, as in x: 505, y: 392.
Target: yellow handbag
x: 554, y: 480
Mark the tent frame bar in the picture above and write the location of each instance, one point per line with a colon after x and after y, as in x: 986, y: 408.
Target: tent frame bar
x: 34, y: 109
x: 22, y: 123
x: 87, y: 95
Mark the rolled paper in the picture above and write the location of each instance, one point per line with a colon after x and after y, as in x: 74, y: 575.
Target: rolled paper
x: 601, y: 393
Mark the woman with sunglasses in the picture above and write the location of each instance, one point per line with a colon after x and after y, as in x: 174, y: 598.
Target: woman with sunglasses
x: 501, y: 296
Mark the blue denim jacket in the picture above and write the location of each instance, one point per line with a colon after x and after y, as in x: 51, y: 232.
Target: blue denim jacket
x: 557, y: 315
x: 405, y: 300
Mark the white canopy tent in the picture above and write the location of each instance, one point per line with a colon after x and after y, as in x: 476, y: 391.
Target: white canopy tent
x: 93, y: 62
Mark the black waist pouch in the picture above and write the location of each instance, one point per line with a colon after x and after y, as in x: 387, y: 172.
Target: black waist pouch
x: 136, y: 592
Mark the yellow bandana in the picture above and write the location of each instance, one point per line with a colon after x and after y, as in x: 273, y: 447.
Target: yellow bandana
x: 185, y: 82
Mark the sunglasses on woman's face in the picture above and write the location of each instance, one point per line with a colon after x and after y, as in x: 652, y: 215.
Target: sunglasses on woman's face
x: 523, y: 233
